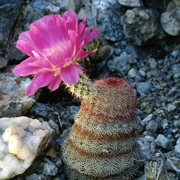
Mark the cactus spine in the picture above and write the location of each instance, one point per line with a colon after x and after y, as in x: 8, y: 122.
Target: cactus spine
x: 83, y: 89
x: 102, y: 142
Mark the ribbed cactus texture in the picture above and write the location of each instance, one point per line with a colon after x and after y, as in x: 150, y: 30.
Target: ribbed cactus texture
x: 102, y: 142
x: 83, y: 89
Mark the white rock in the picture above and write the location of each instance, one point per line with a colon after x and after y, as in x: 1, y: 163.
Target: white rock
x: 21, y: 139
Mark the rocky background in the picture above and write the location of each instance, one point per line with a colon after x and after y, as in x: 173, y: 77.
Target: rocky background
x: 139, y: 41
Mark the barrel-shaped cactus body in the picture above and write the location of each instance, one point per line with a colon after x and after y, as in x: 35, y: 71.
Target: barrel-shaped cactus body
x: 102, y: 142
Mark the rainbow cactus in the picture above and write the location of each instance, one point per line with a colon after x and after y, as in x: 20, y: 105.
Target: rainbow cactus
x: 102, y: 142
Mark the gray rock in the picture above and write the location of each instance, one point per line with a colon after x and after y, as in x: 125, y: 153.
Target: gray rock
x: 43, y: 110
x: 159, y: 5
x: 45, y: 6
x: 162, y: 141
x: 71, y: 112
x: 162, y: 166
x: 177, y: 149
x: 175, y: 69
x: 104, y: 52
x: 71, y: 4
x: 140, y: 25
x: 8, y: 14
x: 147, y: 118
x: 143, y: 87
x: 147, y: 107
x: 175, y: 53
x: 59, y: 163
x: 142, y: 73
x: 177, y: 2
x: 3, y: 62
x: 49, y: 169
x: 108, y: 18
x: 36, y: 177
x: 120, y: 64
x: 152, y: 63
x: 178, y: 141
x: 14, y: 53
x: 105, y: 15
x: 131, y: 3
x: 9, y: 11
x: 177, y: 123
x: 141, y: 178
x: 62, y: 177
x: 34, y: 10
x: 13, y: 101
x: 132, y: 73
x: 147, y: 146
x: 90, y: 11
x: 54, y: 126
x: 170, y: 20
x: 28, y: 15
x: 152, y: 127
x: 173, y: 162
x: 164, y: 124
x: 171, y: 107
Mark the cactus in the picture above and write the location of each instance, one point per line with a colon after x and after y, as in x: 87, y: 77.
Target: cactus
x: 102, y: 142
x: 83, y: 89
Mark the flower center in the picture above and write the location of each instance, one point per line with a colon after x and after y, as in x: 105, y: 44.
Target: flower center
x: 56, y: 71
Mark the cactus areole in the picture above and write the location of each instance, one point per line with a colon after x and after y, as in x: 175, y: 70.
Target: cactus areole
x: 102, y: 142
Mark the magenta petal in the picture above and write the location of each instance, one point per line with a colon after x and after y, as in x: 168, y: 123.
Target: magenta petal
x: 55, y: 83
x: 26, y: 68
x: 80, y: 68
x: 26, y: 37
x: 54, y: 43
x: 31, y: 89
x: 81, y: 27
x: 73, y: 37
x: 83, y: 54
x: 39, y: 37
x: 25, y: 43
x: 70, y: 74
x: 25, y: 47
x: 71, y: 20
x: 43, y: 78
x: 40, y: 80
x: 91, y: 35
x: 71, y: 15
x: 59, y: 55
x: 48, y: 31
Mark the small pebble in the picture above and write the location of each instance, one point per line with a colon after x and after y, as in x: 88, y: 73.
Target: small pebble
x: 177, y: 149
x: 132, y: 73
x: 171, y: 107
x: 162, y: 141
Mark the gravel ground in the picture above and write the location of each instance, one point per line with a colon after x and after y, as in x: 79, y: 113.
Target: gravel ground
x: 150, y: 61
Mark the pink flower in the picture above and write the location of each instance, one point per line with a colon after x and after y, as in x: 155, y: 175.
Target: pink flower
x: 54, y: 45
